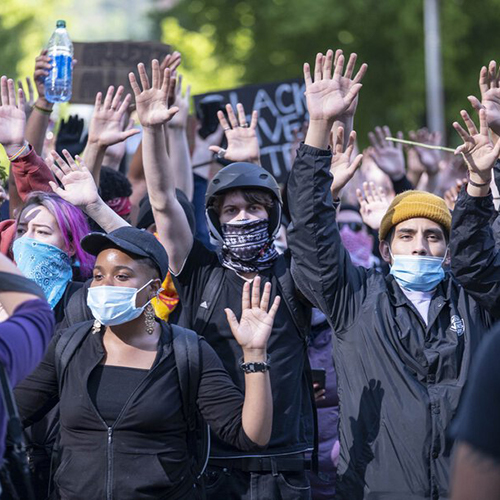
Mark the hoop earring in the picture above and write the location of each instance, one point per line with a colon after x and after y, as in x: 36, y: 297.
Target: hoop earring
x: 150, y: 319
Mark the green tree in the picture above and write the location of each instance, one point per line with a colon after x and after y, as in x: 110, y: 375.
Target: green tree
x: 279, y: 35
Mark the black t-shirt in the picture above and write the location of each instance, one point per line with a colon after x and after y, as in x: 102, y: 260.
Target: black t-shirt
x: 293, y: 427
x: 478, y: 419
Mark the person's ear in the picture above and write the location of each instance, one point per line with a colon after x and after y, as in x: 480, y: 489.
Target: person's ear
x: 154, y: 287
x: 71, y: 250
x: 385, y: 251
x: 447, y: 257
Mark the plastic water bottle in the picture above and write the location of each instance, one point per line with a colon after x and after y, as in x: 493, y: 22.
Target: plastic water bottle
x: 59, y: 80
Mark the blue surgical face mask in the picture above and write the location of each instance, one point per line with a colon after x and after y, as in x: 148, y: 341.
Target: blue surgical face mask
x: 115, y: 305
x: 48, y: 266
x: 417, y: 273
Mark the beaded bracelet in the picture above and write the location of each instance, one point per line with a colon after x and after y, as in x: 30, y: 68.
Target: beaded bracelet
x: 19, y: 153
x: 44, y: 111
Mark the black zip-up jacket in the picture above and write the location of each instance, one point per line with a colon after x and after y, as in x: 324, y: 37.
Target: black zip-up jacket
x: 399, y: 380
x: 143, y: 455
x: 476, y: 258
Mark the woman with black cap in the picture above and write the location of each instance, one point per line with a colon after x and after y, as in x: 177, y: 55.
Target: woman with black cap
x: 123, y: 432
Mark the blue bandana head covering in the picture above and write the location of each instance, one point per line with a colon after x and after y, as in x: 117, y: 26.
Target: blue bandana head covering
x: 48, y: 266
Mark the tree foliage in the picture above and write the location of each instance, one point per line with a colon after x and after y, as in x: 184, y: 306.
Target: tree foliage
x: 268, y: 40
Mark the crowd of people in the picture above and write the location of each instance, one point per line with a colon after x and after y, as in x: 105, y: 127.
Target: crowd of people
x: 344, y: 339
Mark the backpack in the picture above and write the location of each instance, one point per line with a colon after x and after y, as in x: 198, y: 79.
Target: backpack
x: 188, y: 362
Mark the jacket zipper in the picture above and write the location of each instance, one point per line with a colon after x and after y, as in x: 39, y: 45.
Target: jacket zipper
x: 109, y: 485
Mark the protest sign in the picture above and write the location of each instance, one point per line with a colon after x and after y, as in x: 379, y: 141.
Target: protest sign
x: 282, y: 109
x: 102, y: 64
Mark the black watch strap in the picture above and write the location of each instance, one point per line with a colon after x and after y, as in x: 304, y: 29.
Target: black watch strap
x: 255, y: 366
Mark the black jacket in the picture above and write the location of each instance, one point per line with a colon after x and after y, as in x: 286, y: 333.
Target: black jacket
x: 143, y: 455
x: 399, y: 381
x: 476, y: 258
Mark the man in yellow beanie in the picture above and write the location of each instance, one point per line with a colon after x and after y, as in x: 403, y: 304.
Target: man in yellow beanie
x: 402, y: 343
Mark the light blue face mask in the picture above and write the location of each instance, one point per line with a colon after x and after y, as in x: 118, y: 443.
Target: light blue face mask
x: 115, y: 305
x: 48, y: 266
x: 417, y: 273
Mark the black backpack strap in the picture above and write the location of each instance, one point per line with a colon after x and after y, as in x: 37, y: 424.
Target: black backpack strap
x: 209, y: 298
x: 67, y: 344
x: 186, y: 345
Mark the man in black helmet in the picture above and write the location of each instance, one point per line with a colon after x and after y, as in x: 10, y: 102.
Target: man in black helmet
x: 243, y: 210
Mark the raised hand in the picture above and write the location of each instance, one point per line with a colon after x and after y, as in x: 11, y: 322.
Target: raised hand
x: 342, y: 167
x: 180, y: 119
x: 151, y: 101
x: 373, y: 204
x: 30, y: 101
x: 478, y: 150
x: 107, y: 125
x: 330, y: 96
x: 78, y: 186
x: 489, y: 86
x: 429, y: 158
x: 43, y: 66
x: 70, y: 135
x: 387, y: 155
x: 12, y: 116
x: 172, y: 62
x: 451, y: 195
x: 242, y: 142
x: 254, y: 328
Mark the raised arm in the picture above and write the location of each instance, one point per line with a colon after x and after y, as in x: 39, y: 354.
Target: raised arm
x: 321, y: 266
x: 106, y: 128
x: 39, y: 118
x: 79, y: 189
x: 153, y: 111
x: 475, y: 261
x: 242, y: 421
x: 177, y: 141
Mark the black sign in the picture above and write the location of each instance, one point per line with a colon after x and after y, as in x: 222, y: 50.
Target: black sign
x: 282, y: 109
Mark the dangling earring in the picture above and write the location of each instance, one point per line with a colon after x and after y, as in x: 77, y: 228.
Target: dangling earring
x: 150, y: 319
x: 96, y: 327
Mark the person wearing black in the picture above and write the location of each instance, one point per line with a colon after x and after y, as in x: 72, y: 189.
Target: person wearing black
x: 123, y: 428
x: 243, y: 207
x: 476, y: 471
x: 402, y: 344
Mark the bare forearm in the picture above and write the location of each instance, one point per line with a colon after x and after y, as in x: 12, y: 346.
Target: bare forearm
x: 105, y: 216
x: 178, y: 148
x: 318, y: 133
x: 36, y: 126
x: 257, y: 417
x: 93, y: 157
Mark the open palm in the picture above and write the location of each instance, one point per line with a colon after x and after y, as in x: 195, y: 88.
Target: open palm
x: 478, y: 151
x: 151, y: 102
x: 78, y: 186
x: 12, y: 116
x: 373, y: 204
x: 256, y: 323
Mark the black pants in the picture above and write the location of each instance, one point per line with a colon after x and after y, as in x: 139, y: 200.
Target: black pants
x: 234, y: 484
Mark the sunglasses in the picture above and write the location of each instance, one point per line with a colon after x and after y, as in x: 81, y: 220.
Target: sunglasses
x: 353, y: 226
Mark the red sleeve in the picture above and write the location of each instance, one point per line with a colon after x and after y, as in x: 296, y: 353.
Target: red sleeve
x: 31, y: 173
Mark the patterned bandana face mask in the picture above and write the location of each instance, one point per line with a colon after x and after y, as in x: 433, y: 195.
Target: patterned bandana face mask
x: 359, y: 246
x: 48, y: 266
x: 247, y: 246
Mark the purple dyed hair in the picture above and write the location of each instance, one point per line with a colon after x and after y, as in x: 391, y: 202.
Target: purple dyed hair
x: 71, y: 221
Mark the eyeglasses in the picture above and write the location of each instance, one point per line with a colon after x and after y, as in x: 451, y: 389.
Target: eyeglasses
x: 353, y: 226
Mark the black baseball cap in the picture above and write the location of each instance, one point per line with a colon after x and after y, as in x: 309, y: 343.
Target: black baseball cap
x: 131, y: 240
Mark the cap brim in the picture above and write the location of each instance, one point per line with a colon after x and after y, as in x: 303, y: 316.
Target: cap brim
x: 94, y: 243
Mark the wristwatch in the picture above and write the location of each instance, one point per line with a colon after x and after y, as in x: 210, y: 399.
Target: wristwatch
x: 255, y: 366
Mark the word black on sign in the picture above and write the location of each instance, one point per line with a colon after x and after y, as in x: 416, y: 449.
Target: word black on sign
x: 282, y: 109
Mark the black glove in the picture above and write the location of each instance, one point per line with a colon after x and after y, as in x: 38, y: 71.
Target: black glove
x: 69, y: 136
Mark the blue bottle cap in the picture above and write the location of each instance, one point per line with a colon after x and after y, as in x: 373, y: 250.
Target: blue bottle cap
x: 61, y: 24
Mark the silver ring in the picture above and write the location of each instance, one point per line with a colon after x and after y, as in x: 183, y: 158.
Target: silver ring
x: 221, y: 153
x: 227, y: 128
x: 244, y: 125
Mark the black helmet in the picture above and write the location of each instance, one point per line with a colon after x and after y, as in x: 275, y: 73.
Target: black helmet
x: 242, y: 175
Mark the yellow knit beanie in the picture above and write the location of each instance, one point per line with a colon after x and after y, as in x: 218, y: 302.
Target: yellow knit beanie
x: 413, y: 204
